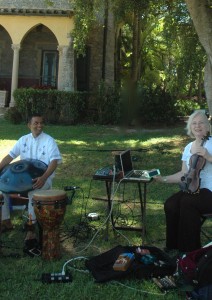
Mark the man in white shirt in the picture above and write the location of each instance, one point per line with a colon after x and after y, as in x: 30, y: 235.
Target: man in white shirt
x: 35, y: 145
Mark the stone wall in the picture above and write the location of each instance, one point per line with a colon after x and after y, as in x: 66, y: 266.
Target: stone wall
x: 3, y: 98
x: 38, y: 4
x: 95, y: 64
x: 96, y: 56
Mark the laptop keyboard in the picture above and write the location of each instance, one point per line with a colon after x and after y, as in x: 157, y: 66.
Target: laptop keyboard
x: 135, y: 174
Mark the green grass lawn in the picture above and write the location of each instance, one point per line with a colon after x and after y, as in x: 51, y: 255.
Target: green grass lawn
x: 85, y: 149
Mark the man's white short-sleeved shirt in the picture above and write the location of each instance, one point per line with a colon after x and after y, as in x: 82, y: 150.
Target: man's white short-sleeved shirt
x: 43, y: 147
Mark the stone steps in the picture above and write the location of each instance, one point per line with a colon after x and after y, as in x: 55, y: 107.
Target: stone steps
x: 3, y: 111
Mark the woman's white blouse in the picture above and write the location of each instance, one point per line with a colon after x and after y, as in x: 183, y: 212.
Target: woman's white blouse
x: 206, y: 172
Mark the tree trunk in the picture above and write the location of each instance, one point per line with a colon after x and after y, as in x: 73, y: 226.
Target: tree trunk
x: 134, y: 73
x: 105, y: 39
x: 132, y: 88
x: 201, y: 15
x: 199, y: 87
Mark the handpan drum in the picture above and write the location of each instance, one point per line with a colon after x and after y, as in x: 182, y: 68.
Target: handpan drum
x: 17, y: 177
x: 1, y: 199
x: 1, y: 203
x: 50, y: 207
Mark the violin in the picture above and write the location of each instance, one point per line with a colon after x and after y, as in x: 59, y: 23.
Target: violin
x: 190, y: 182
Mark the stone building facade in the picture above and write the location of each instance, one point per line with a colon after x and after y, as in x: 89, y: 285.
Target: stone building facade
x: 36, y: 48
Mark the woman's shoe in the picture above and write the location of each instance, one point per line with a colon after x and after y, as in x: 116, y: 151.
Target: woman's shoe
x: 6, y: 225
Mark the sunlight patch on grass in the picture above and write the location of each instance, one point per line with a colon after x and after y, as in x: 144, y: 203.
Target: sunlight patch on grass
x: 73, y: 142
x: 7, y: 143
x: 128, y: 143
x: 5, y: 147
x: 153, y: 141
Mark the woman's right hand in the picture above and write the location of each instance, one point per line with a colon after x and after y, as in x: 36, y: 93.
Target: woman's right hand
x: 158, y: 178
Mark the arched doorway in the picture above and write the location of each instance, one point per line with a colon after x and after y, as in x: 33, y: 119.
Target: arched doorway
x: 38, y: 65
x: 6, y: 58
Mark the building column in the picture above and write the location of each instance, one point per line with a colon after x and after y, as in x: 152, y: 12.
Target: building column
x: 60, y: 68
x: 14, y: 84
x: 66, y: 67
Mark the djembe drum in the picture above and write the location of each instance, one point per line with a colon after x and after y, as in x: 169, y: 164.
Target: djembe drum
x: 50, y: 207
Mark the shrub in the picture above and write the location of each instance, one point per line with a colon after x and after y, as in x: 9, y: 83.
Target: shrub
x: 186, y: 107
x: 107, y: 104
x: 56, y: 106
x: 156, y: 106
x: 13, y: 115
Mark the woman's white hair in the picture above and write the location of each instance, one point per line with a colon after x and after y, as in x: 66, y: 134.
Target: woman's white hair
x: 199, y: 112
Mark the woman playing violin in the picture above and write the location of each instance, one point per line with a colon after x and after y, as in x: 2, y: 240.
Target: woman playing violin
x: 183, y: 210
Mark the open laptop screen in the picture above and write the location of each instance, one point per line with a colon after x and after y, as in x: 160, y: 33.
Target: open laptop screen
x: 126, y: 161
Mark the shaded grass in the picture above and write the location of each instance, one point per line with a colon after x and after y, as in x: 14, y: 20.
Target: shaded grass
x: 84, y: 150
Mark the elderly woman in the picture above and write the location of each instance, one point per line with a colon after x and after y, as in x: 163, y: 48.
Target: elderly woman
x: 183, y: 210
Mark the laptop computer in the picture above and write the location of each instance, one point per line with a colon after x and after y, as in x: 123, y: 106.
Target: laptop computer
x: 123, y: 161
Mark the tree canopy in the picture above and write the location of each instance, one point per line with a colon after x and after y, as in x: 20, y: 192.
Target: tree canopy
x: 201, y: 14
x: 158, y: 45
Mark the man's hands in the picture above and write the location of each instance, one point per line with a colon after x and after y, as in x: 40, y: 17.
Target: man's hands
x: 38, y: 182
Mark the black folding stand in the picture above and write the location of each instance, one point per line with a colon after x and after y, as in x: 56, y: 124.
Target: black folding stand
x: 142, y: 199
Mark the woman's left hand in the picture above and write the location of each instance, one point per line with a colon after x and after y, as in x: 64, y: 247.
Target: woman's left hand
x: 202, y: 151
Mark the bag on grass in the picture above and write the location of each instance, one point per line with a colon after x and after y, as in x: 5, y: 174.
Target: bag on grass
x: 195, y: 267
x: 156, y: 263
x: 203, y: 293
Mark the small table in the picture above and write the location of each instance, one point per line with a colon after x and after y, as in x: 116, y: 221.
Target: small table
x: 142, y: 199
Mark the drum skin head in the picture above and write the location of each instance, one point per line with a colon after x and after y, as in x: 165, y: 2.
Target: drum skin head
x: 17, y: 177
x: 49, y: 195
